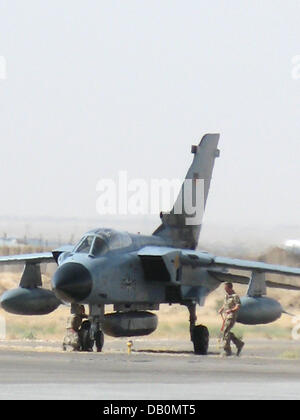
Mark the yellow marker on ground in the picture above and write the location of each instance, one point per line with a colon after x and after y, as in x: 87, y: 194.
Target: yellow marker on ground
x: 129, y: 346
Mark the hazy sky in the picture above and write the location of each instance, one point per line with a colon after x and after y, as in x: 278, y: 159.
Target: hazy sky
x: 96, y: 87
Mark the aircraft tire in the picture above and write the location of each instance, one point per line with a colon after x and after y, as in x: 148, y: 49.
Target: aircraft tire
x: 99, y: 340
x: 200, y: 339
x: 85, y: 339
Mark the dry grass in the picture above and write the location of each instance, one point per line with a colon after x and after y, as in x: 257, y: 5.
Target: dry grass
x: 290, y: 355
x: 173, y: 320
x: 173, y: 323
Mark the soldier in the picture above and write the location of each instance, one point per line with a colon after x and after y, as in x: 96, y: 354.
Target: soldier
x: 231, y: 307
x: 72, y: 337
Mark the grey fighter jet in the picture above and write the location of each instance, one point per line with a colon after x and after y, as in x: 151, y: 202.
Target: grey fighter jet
x: 137, y: 273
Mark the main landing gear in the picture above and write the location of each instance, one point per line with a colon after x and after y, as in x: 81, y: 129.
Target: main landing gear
x: 199, y: 333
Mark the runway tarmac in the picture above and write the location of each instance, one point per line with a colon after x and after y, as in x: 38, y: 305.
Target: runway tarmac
x: 155, y: 370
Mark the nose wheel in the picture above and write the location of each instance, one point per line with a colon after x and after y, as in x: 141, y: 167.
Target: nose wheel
x: 89, y: 337
x: 96, y: 319
x: 86, y: 340
x: 99, y: 340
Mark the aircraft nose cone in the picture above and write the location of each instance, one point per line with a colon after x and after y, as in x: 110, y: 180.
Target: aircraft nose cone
x: 72, y: 282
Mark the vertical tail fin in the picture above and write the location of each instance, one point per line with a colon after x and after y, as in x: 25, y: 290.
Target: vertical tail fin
x: 182, y: 225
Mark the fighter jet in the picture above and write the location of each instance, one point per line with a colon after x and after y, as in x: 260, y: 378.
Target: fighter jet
x: 137, y: 273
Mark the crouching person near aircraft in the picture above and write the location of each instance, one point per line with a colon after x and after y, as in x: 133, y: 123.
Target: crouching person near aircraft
x: 231, y: 307
x: 72, y: 340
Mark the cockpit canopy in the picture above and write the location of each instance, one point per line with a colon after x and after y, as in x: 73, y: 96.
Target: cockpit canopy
x: 99, y: 242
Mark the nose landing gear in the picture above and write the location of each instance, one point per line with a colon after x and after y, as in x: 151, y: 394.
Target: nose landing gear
x: 89, y: 336
x: 84, y: 335
x: 95, y: 319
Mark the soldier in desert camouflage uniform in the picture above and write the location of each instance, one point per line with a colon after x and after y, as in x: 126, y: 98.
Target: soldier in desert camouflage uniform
x: 72, y: 337
x: 230, y: 307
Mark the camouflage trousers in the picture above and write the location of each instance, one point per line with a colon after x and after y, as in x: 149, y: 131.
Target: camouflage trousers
x: 228, y: 336
x: 71, y: 340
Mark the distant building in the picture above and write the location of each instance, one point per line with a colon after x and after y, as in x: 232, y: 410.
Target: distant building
x: 33, y: 242
x: 9, y: 241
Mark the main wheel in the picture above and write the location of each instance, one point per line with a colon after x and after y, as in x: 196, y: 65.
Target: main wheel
x: 200, y: 339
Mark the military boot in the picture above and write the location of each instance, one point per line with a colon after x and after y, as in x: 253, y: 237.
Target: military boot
x: 240, y: 348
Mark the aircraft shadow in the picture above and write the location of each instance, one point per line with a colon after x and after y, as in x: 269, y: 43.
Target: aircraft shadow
x: 210, y: 353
